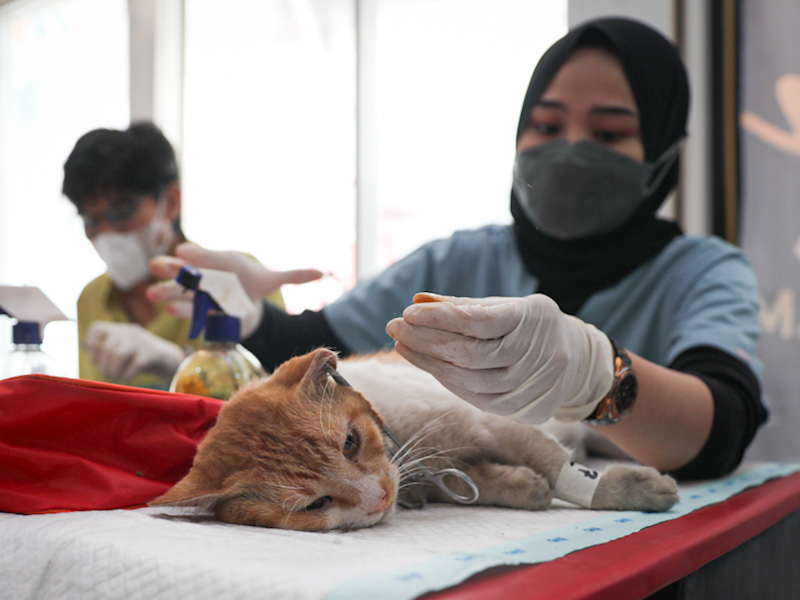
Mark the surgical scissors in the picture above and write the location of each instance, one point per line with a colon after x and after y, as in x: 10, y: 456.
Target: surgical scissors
x: 422, y: 474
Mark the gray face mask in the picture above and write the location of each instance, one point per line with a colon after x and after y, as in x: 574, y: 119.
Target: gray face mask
x: 577, y: 190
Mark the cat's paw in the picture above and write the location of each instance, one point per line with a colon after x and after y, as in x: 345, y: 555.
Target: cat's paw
x: 523, y: 488
x: 635, y: 488
x: 511, y: 486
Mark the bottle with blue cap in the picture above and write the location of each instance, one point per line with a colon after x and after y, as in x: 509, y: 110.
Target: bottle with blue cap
x: 32, y: 310
x: 221, y: 366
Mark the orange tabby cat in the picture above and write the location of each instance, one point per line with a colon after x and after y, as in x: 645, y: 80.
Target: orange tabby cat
x: 301, y: 451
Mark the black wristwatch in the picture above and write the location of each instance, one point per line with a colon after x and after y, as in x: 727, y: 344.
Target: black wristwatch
x: 620, y: 399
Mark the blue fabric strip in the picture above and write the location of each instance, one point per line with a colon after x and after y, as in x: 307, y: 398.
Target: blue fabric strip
x: 450, y: 569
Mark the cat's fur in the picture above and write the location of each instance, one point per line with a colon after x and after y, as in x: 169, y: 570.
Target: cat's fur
x: 279, y: 454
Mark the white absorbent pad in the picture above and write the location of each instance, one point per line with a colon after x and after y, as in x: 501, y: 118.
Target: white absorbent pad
x: 134, y: 555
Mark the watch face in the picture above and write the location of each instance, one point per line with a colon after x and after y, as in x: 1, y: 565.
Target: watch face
x: 627, y: 388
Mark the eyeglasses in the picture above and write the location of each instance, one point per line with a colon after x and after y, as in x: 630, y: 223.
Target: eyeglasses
x: 118, y: 212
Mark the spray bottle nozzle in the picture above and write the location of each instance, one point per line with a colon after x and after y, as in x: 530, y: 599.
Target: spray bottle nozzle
x: 189, y: 278
x: 31, y: 308
x: 219, y: 325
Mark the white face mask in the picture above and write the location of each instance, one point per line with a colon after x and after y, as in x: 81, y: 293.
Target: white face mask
x: 127, y: 255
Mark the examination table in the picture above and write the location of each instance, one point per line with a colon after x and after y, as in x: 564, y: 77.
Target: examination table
x: 731, y: 538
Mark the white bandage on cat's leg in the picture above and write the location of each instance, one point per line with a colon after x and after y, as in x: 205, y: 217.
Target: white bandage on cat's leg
x: 576, y: 484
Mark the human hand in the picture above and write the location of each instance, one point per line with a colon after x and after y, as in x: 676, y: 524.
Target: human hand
x: 257, y: 280
x: 123, y: 350
x: 520, y: 357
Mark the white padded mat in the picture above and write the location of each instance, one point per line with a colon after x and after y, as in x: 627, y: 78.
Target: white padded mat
x: 134, y: 555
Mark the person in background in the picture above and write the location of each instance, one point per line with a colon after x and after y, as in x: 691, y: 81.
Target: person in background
x: 589, y: 307
x: 126, y: 187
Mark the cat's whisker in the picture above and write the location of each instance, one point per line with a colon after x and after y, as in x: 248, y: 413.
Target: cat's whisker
x: 286, y: 502
x: 412, y: 461
x: 406, y: 457
x: 431, y: 427
x: 425, y: 430
x: 409, y: 468
x: 411, y: 484
x: 413, y: 473
x: 444, y: 453
x: 405, y: 452
x: 330, y: 387
x: 424, y: 452
x: 285, y: 487
x: 298, y: 502
x: 412, y: 469
x: 321, y: 426
x: 327, y: 400
x: 417, y: 467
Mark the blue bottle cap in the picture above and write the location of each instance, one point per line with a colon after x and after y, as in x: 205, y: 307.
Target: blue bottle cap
x: 26, y: 332
x: 223, y: 328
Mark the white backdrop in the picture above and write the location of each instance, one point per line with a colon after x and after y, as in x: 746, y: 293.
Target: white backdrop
x: 63, y: 71
x: 270, y: 124
x: 269, y: 128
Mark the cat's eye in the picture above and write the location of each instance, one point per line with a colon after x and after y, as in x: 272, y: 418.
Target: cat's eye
x: 350, y: 443
x: 319, y: 503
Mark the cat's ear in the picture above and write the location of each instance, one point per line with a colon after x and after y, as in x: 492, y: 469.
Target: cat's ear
x: 194, y: 490
x: 324, y: 362
x: 310, y: 367
x: 321, y: 362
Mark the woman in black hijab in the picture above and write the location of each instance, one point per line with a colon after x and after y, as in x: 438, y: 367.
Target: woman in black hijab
x: 597, y: 148
x: 665, y: 325
x: 657, y: 78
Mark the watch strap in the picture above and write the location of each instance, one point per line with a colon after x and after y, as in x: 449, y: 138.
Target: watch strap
x: 620, y: 399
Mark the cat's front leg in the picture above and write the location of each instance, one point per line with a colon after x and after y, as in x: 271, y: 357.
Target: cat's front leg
x: 502, y: 485
x: 623, y: 487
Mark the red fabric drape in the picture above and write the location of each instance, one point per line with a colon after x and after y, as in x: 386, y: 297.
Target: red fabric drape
x: 70, y: 444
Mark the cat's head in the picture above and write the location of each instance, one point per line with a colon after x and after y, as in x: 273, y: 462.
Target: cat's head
x: 296, y: 451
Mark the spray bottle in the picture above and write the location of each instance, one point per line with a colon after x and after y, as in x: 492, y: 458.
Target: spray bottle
x: 33, y: 310
x: 221, y: 366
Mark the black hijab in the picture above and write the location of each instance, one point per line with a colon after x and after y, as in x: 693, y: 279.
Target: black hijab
x: 569, y: 271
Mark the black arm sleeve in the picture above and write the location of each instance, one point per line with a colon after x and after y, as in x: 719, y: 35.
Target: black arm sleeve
x: 280, y: 336
x: 738, y: 410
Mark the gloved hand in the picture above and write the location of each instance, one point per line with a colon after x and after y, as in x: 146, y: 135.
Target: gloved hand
x: 257, y: 280
x: 123, y: 350
x: 520, y: 357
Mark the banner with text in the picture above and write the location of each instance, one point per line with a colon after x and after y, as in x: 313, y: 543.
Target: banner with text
x: 769, y: 122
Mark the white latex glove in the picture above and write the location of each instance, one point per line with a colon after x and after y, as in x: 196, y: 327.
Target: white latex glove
x: 123, y: 350
x: 519, y: 357
x: 257, y: 280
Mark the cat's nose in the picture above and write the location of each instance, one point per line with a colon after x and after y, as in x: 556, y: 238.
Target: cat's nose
x: 382, y: 504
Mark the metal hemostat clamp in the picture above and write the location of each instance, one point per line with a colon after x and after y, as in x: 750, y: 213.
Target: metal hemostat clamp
x: 422, y: 475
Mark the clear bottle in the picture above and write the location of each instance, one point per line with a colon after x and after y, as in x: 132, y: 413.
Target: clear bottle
x: 26, y: 356
x: 221, y: 366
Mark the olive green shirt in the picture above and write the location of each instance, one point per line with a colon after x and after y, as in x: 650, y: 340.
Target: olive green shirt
x: 101, y: 301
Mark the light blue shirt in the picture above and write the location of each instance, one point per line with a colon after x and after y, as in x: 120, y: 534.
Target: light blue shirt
x: 698, y: 291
